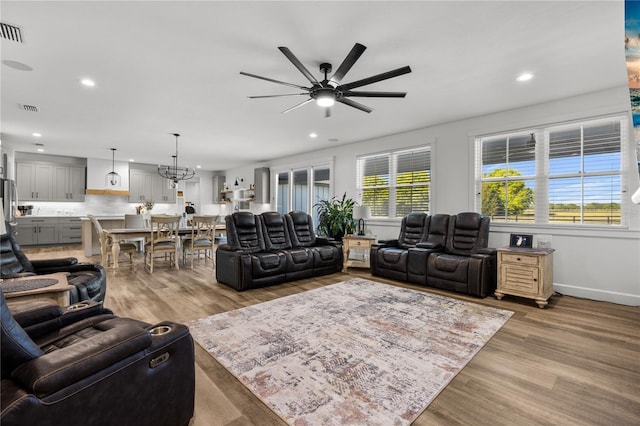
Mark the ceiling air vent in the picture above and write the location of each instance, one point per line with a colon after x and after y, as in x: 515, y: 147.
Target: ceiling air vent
x: 30, y: 108
x: 10, y: 32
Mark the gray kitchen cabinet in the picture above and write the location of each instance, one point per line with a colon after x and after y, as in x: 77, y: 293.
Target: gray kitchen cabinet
x: 69, y: 230
x: 37, y: 230
x: 162, y: 191
x: 140, y: 186
x: 69, y: 183
x: 34, y: 181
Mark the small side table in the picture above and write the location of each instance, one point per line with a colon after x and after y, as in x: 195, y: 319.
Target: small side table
x: 356, y: 250
x: 59, y: 292
x: 525, y: 273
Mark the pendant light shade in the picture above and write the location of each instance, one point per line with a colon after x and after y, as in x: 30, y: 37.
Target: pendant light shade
x: 112, y: 179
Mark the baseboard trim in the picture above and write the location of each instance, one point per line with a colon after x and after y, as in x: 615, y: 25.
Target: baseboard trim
x: 596, y: 294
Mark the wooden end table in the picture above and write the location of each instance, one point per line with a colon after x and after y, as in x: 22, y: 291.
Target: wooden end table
x: 58, y: 292
x: 525, y: 273
x: 356, y: 250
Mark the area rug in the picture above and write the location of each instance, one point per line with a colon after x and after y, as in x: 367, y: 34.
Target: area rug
x: 353, y: 353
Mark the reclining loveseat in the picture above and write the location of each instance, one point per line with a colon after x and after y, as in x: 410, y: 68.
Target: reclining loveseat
x: 272, y: 248
x: 89, y: 280
x: 81, y: 365
x: 440, y: 251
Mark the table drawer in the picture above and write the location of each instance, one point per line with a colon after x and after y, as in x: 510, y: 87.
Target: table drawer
x: 520, y: 259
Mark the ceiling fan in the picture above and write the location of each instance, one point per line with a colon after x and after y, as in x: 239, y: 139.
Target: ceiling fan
x: 329, y: 90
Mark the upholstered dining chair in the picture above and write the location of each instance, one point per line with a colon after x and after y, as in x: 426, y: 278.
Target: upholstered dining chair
x: 201, y: 239
x: 163, y: 240
x: 106, y: 245
x: 135, y: 221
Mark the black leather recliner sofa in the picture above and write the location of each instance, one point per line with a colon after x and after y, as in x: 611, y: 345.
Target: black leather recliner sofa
x: 89, y: 280
x: 451, y: 254
x: 83, y: 365
x: 272, y: 248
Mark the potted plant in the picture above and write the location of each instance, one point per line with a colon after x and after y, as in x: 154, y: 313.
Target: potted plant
x: 335, y: 217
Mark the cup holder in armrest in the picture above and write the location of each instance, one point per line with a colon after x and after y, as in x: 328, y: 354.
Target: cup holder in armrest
x: 76, y: 306
x: 160, y: 330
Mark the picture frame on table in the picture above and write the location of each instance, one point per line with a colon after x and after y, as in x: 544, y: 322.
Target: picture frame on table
x: 521, y: 241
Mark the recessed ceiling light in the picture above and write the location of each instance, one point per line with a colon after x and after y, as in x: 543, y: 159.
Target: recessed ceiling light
x: 88, y: 82
x: 40, y: 149
x: 36, y: 135
x: 313, y: 135
x: 198, y: 166
x: 131, y: 160
x: 526, y: 76
x: 17, y: 65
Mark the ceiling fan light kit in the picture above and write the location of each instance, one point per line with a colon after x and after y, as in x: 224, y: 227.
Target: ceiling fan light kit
x: 329, y: 91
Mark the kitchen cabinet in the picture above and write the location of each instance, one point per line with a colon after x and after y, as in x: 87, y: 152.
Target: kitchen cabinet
x: 162, y: 191
x: 149, y: 186
x: 37, y: 230
x: 34, y: 181
x: 69, y: 183
x: 140, y: 186
x: 69, y: 230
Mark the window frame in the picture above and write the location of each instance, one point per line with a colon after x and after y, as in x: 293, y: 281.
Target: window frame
x: 543, y: 177
x: 393, y: 185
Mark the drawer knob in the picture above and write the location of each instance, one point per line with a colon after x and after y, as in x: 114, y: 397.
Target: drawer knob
x: 518, y: 259
x: 358, y: 243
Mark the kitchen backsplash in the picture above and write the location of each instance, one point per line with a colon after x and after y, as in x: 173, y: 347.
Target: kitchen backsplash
x: 113, y: 205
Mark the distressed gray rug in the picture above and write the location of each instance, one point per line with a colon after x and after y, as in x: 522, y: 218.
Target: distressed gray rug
x: 353, y: 353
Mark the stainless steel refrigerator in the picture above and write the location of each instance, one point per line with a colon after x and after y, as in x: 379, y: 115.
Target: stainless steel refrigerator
x: 9, y: 194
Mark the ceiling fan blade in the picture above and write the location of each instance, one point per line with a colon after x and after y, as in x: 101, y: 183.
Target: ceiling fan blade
x: 375, y: 78
x: 298, y: 64
x: 273, y: 81
x: 354, y: 104
x: 276, y: 96
x: 357, y: 50
x: 297, y: 106
x: 375, y: 94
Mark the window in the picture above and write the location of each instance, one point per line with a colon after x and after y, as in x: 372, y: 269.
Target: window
x: 395, y: 183
x: 565, y: 174
x: 293, y: 191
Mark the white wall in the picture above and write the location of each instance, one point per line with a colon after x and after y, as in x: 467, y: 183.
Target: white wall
x: 597, y: 263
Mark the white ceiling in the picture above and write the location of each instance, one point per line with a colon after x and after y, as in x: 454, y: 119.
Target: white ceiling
x: 173, y: 66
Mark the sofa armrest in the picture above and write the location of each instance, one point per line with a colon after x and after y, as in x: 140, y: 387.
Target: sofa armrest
x: 29, y: 313
x: 387, y: 243
x: 56, y: 370
x: 53, y: 263
x: 430, y: 246
x: 487, y: 251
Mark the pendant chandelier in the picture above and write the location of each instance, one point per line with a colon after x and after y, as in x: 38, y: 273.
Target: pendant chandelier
x: 173, y: 172
x: 112, y: 179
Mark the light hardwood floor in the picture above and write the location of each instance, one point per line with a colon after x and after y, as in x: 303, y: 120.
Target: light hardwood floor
x: 576, y: 362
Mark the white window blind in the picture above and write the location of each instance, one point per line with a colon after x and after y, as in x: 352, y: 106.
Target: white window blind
x: 571, y: 174
x: 394, y: 184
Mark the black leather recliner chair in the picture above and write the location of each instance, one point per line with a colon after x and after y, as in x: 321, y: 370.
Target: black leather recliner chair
x: 327, y: 254
x: 89, y: 280
x: 272, y: 248
x: 83, y: 365
x: 389, y: 258
x: 465, y: 264
x: 435, y: 241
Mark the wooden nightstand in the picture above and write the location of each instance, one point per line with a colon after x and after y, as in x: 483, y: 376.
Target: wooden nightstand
x: 525, y: 273
x: 356, y: 250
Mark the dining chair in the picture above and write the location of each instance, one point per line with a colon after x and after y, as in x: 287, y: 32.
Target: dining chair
x: 135, y: 221
x: 163, y: 240
x: 201, y: 239
x: 106, y: 244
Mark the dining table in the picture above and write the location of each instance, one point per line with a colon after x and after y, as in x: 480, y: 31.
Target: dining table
x: 123, y: 234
